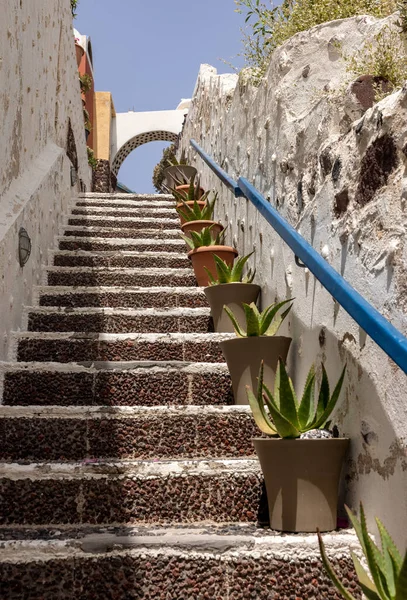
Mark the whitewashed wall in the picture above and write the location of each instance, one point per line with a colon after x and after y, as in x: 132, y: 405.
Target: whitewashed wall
x: 39, y: 92
x: 293, y: 137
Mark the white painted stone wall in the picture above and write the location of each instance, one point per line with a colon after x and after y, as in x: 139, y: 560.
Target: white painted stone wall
x: 39, y: 92
x: 285, y: 136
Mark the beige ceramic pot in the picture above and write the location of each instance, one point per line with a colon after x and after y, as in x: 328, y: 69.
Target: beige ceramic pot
x: 302, y: 478
x: 203, y: 257
x: 232, y: 295
x: 199, y: 225
x: 243, y: 357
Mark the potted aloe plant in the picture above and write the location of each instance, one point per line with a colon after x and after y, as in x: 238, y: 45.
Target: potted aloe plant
x: 231, y: 288
x: 387, y: 567
x: 197, y: 218
x: 258, y: 342
x: 301, y: 466
x: 204, y: 246
x: 178, y: 172
x: 187, y: 195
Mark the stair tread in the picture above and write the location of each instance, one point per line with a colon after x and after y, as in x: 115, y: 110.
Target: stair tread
x: 101, y: 310
x: 120, y: 412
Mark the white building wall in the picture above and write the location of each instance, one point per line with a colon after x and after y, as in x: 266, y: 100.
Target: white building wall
x: 285, y: 136
x: 39, y: 93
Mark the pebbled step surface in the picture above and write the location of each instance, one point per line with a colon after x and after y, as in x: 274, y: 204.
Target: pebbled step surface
x: 159, y: 433
x: 100, y: 276
x: 157, y: 242
x: 120, y: 259
x: 165, y: 235
x: 124, y: 222
x: 117, y: 384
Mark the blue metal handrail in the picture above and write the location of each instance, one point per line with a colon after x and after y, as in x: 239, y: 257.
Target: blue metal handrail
x: 370, y: 320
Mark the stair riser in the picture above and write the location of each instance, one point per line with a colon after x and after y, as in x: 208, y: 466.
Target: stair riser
x: 152, y: 576
x: 151, y: 437
x: 110, y: 232
x: 117, y: 278
x: 124, y: 300
x: 117, y: 224
x: 120, y: 323
x: 129, y: 262
x: 126, y: 211
x: 100, y: 245
x: 115, y: 388
x: 89, y: 350
x: 221, y: 497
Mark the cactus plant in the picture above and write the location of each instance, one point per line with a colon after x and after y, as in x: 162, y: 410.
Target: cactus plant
x: 197, y: 212
x: 260, y: 323
x: 204, y: 238
x: 233, y: 274
x: 286, y: 416
x: 193, y: 193
x: 388, y: 569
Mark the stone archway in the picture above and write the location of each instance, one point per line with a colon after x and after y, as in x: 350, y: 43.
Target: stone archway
x: 139, y: 140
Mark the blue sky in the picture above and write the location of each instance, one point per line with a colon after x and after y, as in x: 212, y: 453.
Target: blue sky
x: 148, y: 55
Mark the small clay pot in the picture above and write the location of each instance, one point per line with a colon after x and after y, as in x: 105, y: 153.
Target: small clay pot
x: 302, y: 479
x: 184, y: 189
x: 191, y: 204
x: 203, y: 257
x: 197, y: 226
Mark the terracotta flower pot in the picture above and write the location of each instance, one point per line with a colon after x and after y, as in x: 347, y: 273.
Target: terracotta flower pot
x: 79, y: 53
x: 302, y: 478
x: 203, y: 257
x: 191, y: 204
x: 232, y: 295
x: 184, y: 189
x: 199, y: 225
x: 243, y: 357
x: 175, y: 173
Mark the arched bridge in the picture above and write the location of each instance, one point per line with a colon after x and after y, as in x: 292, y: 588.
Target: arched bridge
x: 132, y: 129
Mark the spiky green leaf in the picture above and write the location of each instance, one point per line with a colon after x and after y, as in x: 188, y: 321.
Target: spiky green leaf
x: 401, y: 586
x: 288, y: 400
x: 235, y: 324
x: 222, y: 269
x: 212, y: 280
x: 323, y: 397
x: 252, y: 319
x: 374, y: 559
x: 306, y: 408
x: 368, y: 587
x: 331, y: 573
x: 188, y: 241
x: 331, y: 403
x: 237, y: 270
x: 270, y: 324
x: 284, y: 428
x: 259, y: 414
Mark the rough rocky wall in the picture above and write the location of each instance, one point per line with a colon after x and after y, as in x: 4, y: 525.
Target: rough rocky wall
x: 39, y: 97
x: 342, y: 183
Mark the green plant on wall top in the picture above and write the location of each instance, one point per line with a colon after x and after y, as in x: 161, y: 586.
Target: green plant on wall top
x: 387, y: 568
x: 273, y: 25
x: 92, y: 160
x: 384, y: 58
x: 231, y: 274
x: 85, y: 82
x: 74, y: 4
x: 158, y: 174
x: 286, y: 415
x: 260, y: 323
x: 204, y: 238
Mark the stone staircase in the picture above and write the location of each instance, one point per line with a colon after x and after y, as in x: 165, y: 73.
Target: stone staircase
x: 127, y: 471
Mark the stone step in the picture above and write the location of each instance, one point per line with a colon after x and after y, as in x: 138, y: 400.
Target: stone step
x: 118, y: 258
x: 153, y: 199
x: 80, y: 433
x: 226, y: 562
x: 120, y: 492
x: 125, y: 223
x: 154, y: 236
x: 110, y: 276
x: 122, y: 202
x: 170, y: 244
x: 115, y: 384
x: 124, y: 320
x: 143, y: 212
x: 132, y: 297
x: 74, y: 347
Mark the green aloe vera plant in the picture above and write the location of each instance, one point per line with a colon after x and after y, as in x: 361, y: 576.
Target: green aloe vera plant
x: 194, y: 192
x: 195, y: 212
x: 233, y: 274
x: 388, y: 569
x: 174, y: 162
x: 204, y: 238
x: 286, y: 416
x: 260, y: 323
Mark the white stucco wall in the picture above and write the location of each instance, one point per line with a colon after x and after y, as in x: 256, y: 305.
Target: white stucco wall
x: 39, y: 93
x: 285, y: 136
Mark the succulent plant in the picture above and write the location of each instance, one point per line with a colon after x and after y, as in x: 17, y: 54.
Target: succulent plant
x: 233, y: 274
x: 194, y: 192
x: 388, y: 569
x: 174, y: 162
x: 259, y: 323
x: 286, y: 416
x: 195, y: 212
x: 204, y: 238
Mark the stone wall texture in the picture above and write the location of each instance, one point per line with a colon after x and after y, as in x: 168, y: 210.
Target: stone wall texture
x: 338, y: 175
x: 39, y: 97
